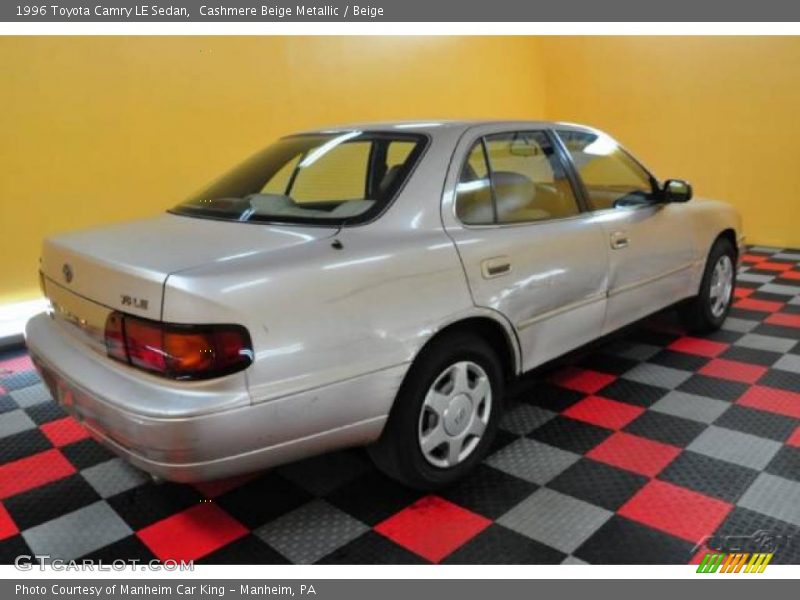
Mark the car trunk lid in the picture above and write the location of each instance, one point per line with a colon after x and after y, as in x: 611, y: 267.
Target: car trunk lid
x: 124, y: 267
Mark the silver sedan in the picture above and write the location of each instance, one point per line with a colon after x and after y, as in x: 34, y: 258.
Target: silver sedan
x: 368, y: 285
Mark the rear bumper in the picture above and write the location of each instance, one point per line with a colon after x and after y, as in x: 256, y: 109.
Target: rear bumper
x: 191, y: 437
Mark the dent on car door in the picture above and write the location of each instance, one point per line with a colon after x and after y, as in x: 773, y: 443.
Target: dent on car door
x: 527, y: 250
x: 650, y: 243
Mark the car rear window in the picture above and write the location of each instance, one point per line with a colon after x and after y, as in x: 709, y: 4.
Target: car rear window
x: 327, y: 178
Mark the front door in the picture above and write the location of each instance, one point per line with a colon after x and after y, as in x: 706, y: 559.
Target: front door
x: 527, y: 249
x: 650, y: 243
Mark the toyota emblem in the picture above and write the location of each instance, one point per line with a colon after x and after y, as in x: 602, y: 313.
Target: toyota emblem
x: 67, y: 272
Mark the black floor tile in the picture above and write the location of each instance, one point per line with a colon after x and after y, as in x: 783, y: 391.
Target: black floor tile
x: 713, y: 387
x: 633, y: 392
x: 371, y: 548
x: 666, y: 429
x: 624, y: 542
x: 497, y: 545
x: 488, y: 492
x: 709, y: 476
x: 758, y: 422
x: 570, y: 434
x: 598, y: 483
x: 50, y: 501
x: 247, y: 550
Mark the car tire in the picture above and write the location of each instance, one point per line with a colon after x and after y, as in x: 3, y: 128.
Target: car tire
x: 453, y: 391
x: 707, y: 311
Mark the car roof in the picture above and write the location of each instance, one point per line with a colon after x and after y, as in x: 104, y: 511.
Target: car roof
x: 432, y: 126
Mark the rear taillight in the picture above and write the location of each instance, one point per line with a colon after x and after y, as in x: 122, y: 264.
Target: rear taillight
x: 178, y: 351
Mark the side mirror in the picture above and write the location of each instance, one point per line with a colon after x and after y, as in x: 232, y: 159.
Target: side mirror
x: 676, y: 190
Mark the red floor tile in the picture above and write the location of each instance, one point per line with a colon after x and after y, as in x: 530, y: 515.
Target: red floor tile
x: 758, y: 305
x: 191, y: 534
x: 774, y: 266
x: 753, y: 258
x: 18, y: 364
x: 582, y: 380
x: 33, y: 471
x: 64, y: 431
x: 432, y: 527
x: 741, y: 292
x: 7, y: 525
x: 784, y: 319
x: 603, y: 412
x: 676, y: 510
x: 634, y: 453
x: 733, y: 370
x: 692, y: 345
x: 782, y: 402
x: 794, y: 439
x: 793, y: 275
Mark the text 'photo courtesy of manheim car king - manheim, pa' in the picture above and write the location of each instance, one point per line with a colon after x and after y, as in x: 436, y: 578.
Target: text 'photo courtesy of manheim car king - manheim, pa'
x: 369, y: 285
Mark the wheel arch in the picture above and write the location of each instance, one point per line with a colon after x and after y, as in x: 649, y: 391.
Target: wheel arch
x: 499, y: 335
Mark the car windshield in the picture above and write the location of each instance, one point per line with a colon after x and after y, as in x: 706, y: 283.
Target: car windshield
x: 325, y: 178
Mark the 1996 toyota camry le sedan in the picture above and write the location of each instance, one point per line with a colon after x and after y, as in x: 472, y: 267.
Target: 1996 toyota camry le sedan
x: 367, y: 285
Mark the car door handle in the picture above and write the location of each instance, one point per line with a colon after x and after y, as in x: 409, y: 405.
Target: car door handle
x: 619, y: 240
x: 495, y: 267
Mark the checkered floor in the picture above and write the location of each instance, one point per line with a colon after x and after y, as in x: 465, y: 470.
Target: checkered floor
x: 633, y: 452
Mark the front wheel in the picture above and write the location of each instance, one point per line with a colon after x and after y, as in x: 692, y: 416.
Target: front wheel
x: 445, y: 415
x: 707, y: 311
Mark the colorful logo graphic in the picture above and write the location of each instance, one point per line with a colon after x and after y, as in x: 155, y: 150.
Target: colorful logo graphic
x: 734, y: 563
x: 741, y: 553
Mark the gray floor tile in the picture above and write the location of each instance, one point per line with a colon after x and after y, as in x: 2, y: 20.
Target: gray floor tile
x: 765, y: 342
x: 736, y: 447
x: 788, y: 362
x: 113, y: 477
x: 525, y: 418
x: 77, y: 533
x: 555, y: 519
x: 739, y: 325
x: 795, y: 256
x: 532, y: 460
x: 766, y: 249
x: 571, y: 560
x: 777, y: 288
x: 755, y: 277
x: 775, y: 497
x: 310, y: 532
x: 31, y: 395
x: 691, y: 406
x: 15, y: 421
x: 664, y: 377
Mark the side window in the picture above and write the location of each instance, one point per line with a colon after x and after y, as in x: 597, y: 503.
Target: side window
x: 612, y: 178
x: 336, y: 175
x: 474, y: 204
x: 528, y: 179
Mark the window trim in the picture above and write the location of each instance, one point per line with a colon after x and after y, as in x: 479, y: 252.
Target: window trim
x: 424, y: 140
x: 565, y: 164
x: 654, y: 181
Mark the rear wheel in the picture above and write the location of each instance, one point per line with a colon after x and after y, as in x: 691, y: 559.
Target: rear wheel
x: 445, y: 415
x: 707, y: 311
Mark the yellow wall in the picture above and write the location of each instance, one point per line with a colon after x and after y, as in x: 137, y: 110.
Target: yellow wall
x: 94, y: 130
x: 719, y: 111
x: 102, y: 129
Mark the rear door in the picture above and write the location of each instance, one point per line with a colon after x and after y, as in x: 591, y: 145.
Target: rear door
x: 528, y: 250
x: 650, y: 243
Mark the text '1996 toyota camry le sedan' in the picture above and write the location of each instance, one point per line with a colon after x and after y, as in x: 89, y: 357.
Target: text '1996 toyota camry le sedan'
x: 368, y: 285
